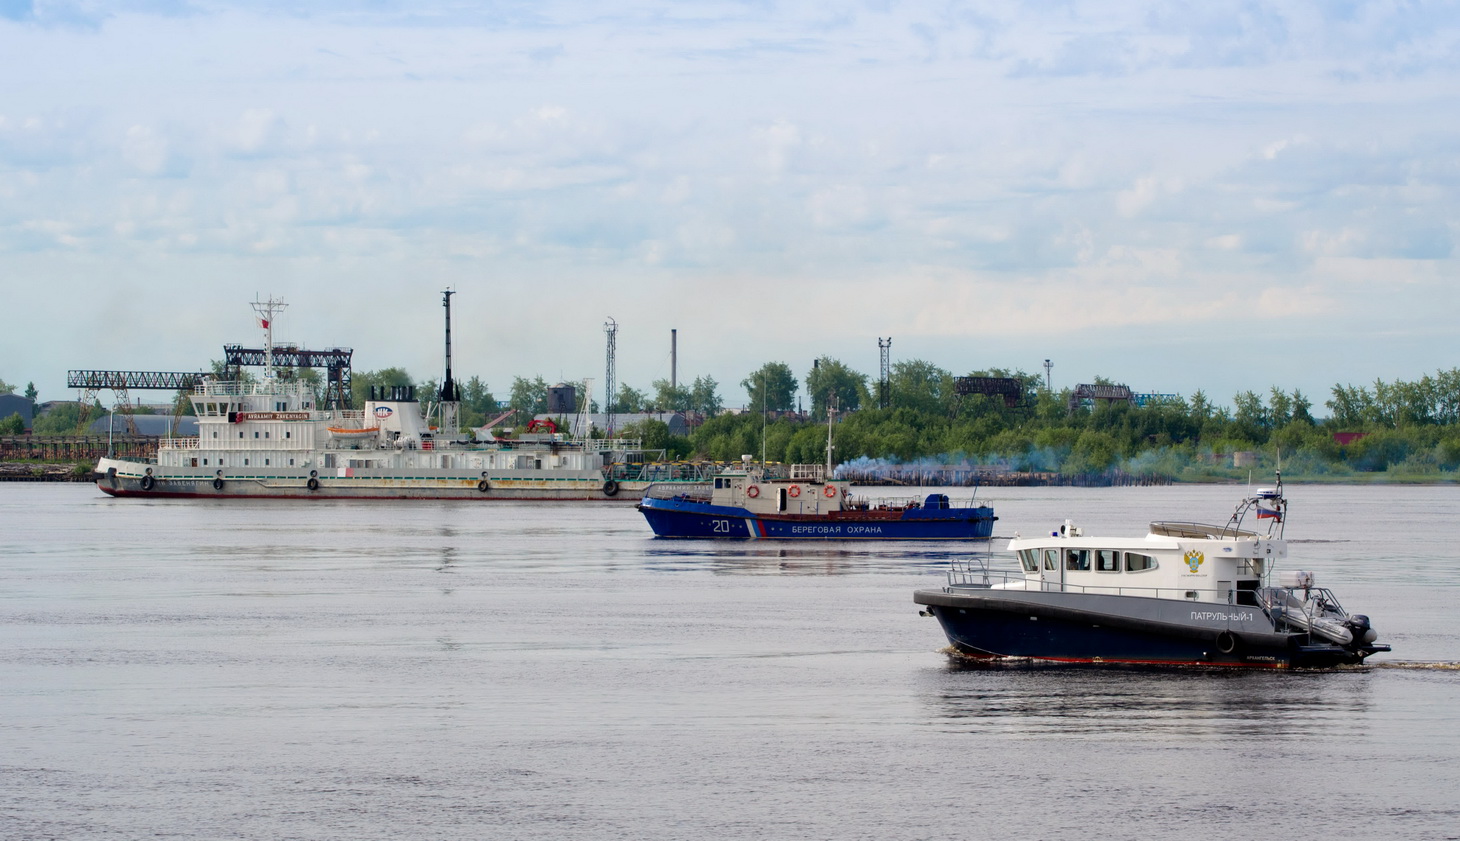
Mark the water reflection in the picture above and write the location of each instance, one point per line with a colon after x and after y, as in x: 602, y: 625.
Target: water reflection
x: 1104, y: 702
x: 798, y: 558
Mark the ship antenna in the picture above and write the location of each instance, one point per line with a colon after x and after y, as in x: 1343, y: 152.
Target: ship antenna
x: 266, y: 311
x: 830, y: 419
x: 448, y: 397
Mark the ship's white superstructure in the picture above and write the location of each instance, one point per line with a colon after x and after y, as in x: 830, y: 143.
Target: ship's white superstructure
x: 268, y: 438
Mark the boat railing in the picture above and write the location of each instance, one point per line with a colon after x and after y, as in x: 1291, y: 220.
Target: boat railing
x: 662, y: 471
x: 234, y: 388
x: 191, y: 443
x: 689, y: 491
x: 858, y: 502
x: 808, y: 473
x: 602, y: 445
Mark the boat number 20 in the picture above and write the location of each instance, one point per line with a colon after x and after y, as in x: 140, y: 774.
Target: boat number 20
x: 721, y: 526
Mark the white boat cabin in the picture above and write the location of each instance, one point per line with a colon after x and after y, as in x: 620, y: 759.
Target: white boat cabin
x: 805, y: 491
x: 1190, y: 561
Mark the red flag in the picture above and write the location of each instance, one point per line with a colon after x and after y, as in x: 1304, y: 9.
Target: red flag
x: 264, y: 323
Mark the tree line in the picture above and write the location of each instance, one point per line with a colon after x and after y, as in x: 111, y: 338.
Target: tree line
x: 1403, y: 427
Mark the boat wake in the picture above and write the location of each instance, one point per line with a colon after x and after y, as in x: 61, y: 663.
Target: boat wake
x: 1435, y: 665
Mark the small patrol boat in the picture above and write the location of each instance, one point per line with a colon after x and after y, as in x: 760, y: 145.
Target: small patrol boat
x: 807, y: 503
x: 1184, y: 594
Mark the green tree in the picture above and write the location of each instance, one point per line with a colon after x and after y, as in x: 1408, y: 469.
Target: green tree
x: 61, y: 419
x: 704, y: 396
x: 772, y: 387
x: 529, y: 397
x: 671, y: 398
x: 385, y: 378
x: 30, y: 394
x: 13, y: 425
x: 654, y: 434
x: 629, y: 400
x: 6, y: 388
x: 921, y: 386
x: 832, y: 381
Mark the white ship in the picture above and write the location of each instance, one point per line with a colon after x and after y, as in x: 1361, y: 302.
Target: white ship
x: 269, y: 439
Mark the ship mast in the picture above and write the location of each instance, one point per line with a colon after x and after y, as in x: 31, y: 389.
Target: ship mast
x: 266, y: 311
x: 449, y: 398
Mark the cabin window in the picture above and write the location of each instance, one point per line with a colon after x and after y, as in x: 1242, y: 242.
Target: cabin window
x: 215, y: 433
x: 1107, y: 560
x: 266, y: 462
x: 255, y: 434
x: 1029, y: 559
x: 266, y: 434
x: 288, y: 434
x: 1051, y: 559
x: 291, y: 462
x: 245, y: 462
x: 1077, y: 559
x: 240, y: 433
x: 1135, y: 562
x: 205, y: 462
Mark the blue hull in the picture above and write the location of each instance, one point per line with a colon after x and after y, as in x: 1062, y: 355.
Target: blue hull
x: 681, y: 518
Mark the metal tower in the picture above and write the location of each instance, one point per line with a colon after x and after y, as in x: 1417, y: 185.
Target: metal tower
x: 885, y: 347
x: 1048, y: 380
x: 449, y: 397
x: 610, y: 327
x: 266, y: 310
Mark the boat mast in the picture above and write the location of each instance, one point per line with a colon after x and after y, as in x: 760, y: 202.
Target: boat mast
x: 266, y: 311
x: 830, y: 419
x: 449, y: 398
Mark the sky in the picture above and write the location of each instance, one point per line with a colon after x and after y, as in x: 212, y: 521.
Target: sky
x: 1179, y: 196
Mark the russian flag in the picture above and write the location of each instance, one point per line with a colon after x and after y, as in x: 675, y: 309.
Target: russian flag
x: 1269, y: 514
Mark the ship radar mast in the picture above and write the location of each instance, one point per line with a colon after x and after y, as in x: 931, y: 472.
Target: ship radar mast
x: 448, y: 396
x: 266, y: 311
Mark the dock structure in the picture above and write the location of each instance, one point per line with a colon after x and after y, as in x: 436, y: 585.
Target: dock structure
x: 1085, y: 395
x: 122, y: 383
x: 75, y: 448
x: 335, y: 361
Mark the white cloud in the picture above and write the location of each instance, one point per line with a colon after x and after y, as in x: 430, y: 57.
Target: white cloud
x: 1002, y: 169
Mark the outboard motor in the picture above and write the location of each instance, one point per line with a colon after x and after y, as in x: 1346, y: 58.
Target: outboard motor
x: 1358, y: 625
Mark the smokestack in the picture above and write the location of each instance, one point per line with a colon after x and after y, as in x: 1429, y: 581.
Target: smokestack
x: 673, y: 358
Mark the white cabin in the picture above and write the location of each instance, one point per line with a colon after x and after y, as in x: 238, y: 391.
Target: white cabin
x: 1190, y: 561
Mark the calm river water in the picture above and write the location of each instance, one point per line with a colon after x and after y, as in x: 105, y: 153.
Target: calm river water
x: 437, y: 671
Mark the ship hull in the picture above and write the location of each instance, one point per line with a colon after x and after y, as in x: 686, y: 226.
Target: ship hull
x: 1095, y: 628
x: 683, y: 519
x: 119, y: 478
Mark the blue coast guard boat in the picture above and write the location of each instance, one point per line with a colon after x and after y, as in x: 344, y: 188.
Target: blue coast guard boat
x: 1185, y: 594
x: 806, y: 504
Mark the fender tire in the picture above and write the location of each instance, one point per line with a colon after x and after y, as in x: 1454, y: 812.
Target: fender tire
x: 610, y: 488
x: 483, y: 486
x: 148, y: 483
x: 312, y: 484
x: 1228, y: 642
x: 218, y: 483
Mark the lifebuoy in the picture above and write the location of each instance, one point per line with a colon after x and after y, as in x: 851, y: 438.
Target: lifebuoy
x: 148, y: 482
x: 610, y: 488
x: 794, y: 490
x: 312, y: 484
x: 830, y: 491
x: 482, y: 486
x: 753, y: 491
x: 218, y: 483
x: 1228, y: 642
x: 313, y: 474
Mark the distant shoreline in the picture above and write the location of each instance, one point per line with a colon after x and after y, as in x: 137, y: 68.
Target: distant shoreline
x: 67, y: 473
